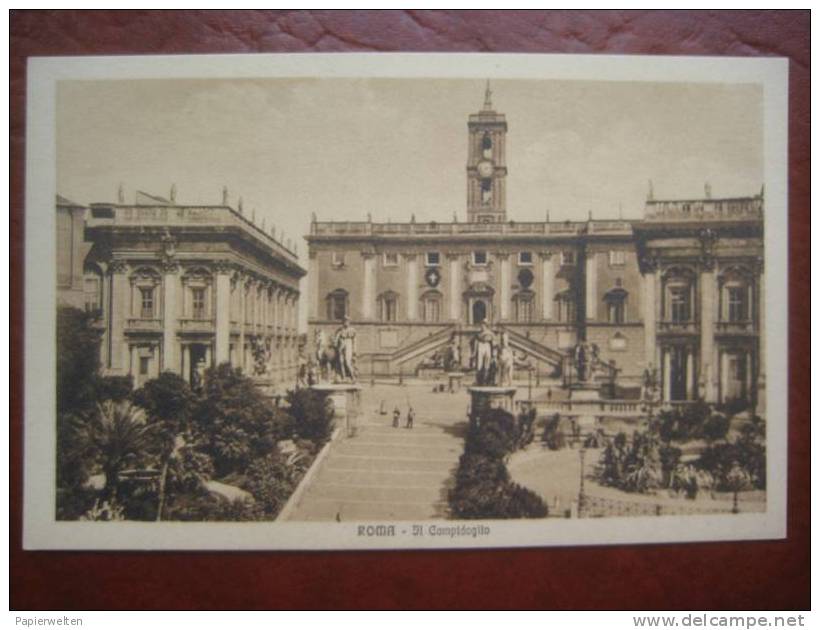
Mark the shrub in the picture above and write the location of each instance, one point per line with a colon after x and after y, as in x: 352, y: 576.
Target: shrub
x: 496, y: 435
x: 483, y: 490
x: 553, y: 437
x: 116, y: 388
x: 77, y: 361
x: 237, y: 423
x: 271, y: 481
x: 204, y: 506
x: 715, y: 427
x: 312, y: 414
x: 748, y: 451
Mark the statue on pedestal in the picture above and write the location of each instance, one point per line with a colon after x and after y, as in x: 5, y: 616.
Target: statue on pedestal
x: 344, y: 343
x: 453, y: 361
x: 483, y: 355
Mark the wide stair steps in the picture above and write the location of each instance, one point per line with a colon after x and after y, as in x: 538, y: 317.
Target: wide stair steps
x: 386, y: 473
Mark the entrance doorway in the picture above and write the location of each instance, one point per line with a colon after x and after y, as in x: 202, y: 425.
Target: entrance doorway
x: 198, y: 364
x: 678, y: 373
x: 479, y: 311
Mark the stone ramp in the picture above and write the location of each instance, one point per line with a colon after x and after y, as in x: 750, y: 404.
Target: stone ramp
x: 385, y: 473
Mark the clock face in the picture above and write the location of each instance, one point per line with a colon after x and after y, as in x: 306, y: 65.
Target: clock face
x: 485, y: 168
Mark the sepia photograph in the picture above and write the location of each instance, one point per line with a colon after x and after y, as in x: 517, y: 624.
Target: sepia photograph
x: 412, y: 301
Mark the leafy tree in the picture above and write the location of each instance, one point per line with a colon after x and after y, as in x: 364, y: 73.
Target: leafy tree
x: 495, y: 435
x: 116, y: 388
x: 237, y: 423
x: 271, y: 480
x: 168, y: 401
x: 312, y: 415
x: 118, y: 436
x: 78, y: 360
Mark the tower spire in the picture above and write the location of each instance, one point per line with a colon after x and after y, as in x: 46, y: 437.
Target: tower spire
x: 488, y: 95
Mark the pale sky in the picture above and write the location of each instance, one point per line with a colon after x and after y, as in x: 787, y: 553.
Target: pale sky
x: 342, y: 148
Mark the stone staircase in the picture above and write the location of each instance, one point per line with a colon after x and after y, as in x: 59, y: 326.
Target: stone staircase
x: 386, y: 473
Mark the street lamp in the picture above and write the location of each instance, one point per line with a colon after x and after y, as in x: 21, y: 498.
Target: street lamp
x: 581, y: 453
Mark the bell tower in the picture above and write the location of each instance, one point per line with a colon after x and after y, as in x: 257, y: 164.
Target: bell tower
x: 487, y: 164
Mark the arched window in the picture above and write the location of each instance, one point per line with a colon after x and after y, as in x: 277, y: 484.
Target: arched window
x: 389, y: 306
x: 565, y: 306
x: 523, y: 302
x: 736, y: 295
x: 337, y: 304
x: 616, y: 305
x: 679, y: 295
x: 92, y: 289
x: 431, y: 306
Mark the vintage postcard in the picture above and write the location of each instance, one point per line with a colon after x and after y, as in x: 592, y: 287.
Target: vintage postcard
x: 404, y: 301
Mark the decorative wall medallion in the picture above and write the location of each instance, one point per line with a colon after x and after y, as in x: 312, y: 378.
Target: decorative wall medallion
x: 525, y: 278
x: 432, y: 276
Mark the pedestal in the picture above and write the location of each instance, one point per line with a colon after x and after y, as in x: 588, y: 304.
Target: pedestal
x: 346, y: 399
x: 454, y: 381
x: 585, y: 393
x: 485, y: 398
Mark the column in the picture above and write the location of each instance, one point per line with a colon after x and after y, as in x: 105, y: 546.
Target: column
x: 455, y: 287
x: 313, y: 285
x: 690, y: 374
x: 649, y: 321
x: 223, y: 318
x: 412, y: 286
x: 170, y: 359
x: 368, y: 284
x: 667, y: 373
x: 591, y: 295
x: 505, y: 284
x: 547, y: 282
x: 240, y: 350
x: 760, y: 313
x: 186, y: 362
x: 118, y: 358
x: 707, y: 331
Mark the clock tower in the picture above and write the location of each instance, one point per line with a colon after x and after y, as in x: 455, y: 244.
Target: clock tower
x: 487, y: 165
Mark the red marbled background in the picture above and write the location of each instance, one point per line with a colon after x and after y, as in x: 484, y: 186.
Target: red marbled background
x: 750, y: 575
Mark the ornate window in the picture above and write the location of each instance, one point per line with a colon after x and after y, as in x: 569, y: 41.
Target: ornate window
x: 524, y: 258
x: 616, y: 305
x: 337, y: 304
x: 198, y: 295
x: 480, y: 258
x: 337, y: 259
x: 736, y: 295
x: 567, y: 258
x: 144, y: 284
x: 92, y: 289
x: 391, y: 259
x: 389, y: 306
x: 524, y: 306
x: 431, y: 306
x: 616, y: 258
x: 196, y: 284
x: 565, y: 306
x: 433, y: 259
x: 147, y: 302
x: 679, y: 295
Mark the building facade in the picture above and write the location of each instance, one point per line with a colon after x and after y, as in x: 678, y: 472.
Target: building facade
x: 183, y: 288
x: 678, y: 293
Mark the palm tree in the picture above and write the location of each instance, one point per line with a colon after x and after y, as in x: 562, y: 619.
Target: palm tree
x: 116, y: 433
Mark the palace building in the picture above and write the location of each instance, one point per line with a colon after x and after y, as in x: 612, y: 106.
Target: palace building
x: 181, y: 288
x: 678, y: 292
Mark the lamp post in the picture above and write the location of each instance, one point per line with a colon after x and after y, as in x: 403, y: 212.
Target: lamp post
x: 581, y: 453
x: 529, y: 383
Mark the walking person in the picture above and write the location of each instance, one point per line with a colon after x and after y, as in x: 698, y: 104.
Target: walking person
x: 411, y: 416
x: 396, y: 416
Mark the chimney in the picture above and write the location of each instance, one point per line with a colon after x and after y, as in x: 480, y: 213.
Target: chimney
x: 173, y: 195
x: 224, y: 195
x: 120, y: 194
